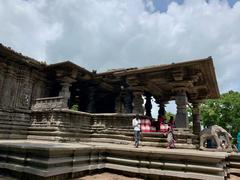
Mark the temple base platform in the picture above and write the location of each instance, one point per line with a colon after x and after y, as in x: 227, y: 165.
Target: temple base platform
x: 34, y: 159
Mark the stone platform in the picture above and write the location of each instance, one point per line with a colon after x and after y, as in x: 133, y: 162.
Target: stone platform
x: 28, y: 159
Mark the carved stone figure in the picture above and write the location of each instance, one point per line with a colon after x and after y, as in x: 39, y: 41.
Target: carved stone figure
x: 218, y: 137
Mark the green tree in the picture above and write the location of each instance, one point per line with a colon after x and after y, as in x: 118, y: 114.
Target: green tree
x: 168, y: 115
x: 224, y: 112
x: 74, y: 107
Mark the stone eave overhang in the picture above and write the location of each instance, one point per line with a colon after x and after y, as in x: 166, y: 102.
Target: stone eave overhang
x: 9, y: 54
x: 71, y: 68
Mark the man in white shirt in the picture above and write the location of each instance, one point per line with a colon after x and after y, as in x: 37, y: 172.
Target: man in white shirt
x: 136, y: 122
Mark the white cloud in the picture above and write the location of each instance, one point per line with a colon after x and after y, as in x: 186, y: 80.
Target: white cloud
x: 121, y: 33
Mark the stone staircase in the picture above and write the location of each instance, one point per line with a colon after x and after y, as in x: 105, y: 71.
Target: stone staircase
x: 234, y: 164
x: 184, y: 139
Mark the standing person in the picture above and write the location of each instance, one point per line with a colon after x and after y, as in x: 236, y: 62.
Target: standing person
x: 170, y: 139
x: 136, y: 122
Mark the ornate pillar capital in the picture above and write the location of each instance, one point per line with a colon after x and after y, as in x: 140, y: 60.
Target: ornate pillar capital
x: 179, y: 90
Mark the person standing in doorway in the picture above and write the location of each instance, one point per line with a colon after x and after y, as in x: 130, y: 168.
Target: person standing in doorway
x: 136, y: 122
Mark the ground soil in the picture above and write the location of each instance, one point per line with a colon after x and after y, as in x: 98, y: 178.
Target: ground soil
x: 106, y: 176
x: 110, y: 176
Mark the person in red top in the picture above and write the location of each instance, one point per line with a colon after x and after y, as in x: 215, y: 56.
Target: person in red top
x: 161, y: 121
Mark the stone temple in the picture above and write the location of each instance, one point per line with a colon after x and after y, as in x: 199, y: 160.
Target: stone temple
x: 42, y: 137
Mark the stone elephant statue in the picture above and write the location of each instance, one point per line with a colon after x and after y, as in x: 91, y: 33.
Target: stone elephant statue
x: 219, y: 136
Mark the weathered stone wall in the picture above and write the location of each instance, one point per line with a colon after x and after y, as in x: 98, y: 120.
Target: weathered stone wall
x: 20, y: 85
x: 59, y: 125
x: 67, y: 125
x: 14, y: 125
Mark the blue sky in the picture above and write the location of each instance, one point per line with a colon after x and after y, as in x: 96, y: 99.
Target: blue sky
x: 107, y: 34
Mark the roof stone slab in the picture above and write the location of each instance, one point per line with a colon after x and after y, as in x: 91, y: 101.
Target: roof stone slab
x: 196, y: 77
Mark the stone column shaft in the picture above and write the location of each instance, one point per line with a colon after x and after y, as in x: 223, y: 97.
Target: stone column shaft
x: 196, y: 118
x: 65, y: 91
x: 148, y: 104
x: 118, y: 104
x: 138, y: 102
x: 127, y: 98
x: 91, y: 100
x: 161, y: 111
x: 181, y: 116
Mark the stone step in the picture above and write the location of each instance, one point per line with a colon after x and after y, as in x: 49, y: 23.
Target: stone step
x: 45, y: 138
x: 57, y: 133
x: 13, y: 131
x: 16, y: 121
x: 235, y: 171
x: 10, y: 127
x: 143, y: 143
x: 150, y: 134
x: 43, y: 128
x: 145, y: 136
x: 234, y: 163
x: 164, y: 173
x: 13, y: 136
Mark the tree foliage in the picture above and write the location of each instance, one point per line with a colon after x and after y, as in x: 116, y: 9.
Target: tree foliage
x: 224, y: 112
x: 168, y: 115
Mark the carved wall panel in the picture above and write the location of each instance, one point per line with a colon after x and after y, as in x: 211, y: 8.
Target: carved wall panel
x: 37, y: 90
x: 24, y: 95
x: 9, y: 89
x: 1, y: 86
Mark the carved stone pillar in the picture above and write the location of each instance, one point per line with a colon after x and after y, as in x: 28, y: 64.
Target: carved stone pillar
x: 65, y: 92
x: 118, y: 104
x: 127, y: 99
x: 148, y: 104
x: 25, y: 86
x: 181, y: 102
x: 9, y: 89
x: 161, y: 104
x: 91, y: 99
x: 161, y: 111
x: 137, y: 102
x: 196, y: 118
